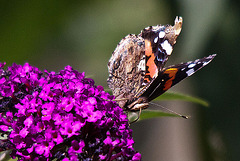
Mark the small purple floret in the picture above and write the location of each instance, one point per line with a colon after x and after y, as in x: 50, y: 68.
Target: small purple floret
x: 64, y: 116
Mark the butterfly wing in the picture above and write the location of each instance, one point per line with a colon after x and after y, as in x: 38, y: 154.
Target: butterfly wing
x: 126, y: 68
x: 173, y: 75
x: 159, y: 42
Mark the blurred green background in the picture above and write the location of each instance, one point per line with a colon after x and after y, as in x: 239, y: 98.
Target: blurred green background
x: 83, y: 34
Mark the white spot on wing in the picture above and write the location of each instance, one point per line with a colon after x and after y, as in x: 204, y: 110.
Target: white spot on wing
x: 167, y: 47
x: 183, y: 69
x: 155, y: 40
x: 191, y: 65
x: 161, y: 34
x: 142, y: 65
x: 190, y: 72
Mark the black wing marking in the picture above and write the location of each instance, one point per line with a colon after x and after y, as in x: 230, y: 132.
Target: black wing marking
x: 173, y: 75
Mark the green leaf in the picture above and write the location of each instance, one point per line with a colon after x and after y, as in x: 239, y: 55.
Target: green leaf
x: 181, y: 97
x: 175, y: 96
x: 148, y: 114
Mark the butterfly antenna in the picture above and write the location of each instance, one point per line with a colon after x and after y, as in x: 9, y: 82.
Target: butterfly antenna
x: 183, y: 116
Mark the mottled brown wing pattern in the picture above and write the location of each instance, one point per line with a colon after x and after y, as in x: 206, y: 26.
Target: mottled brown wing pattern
x: 127, y: 68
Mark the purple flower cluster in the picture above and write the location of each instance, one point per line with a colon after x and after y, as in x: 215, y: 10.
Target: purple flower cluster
x: 63, y: 116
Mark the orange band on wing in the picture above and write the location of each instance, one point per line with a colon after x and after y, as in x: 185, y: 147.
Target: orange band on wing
x: 172, y: 73
x: 152, y: 68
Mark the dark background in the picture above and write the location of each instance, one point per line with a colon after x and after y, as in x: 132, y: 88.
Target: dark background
x: 53, y: 34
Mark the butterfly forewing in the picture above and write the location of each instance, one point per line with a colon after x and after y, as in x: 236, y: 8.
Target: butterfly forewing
x: 159, y: 42
x: 173, y: 75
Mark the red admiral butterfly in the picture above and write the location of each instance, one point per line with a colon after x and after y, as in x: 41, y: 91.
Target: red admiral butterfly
x: 136, y: 68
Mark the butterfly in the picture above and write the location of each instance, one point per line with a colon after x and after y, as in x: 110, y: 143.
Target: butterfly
x: 136, y: 68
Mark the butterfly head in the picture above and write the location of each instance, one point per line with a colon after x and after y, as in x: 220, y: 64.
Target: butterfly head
x: 139, y: 103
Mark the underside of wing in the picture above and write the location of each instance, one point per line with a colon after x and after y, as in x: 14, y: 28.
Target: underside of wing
x: 159, y: 42
x: 173, y: 75
x: 126, y: 68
